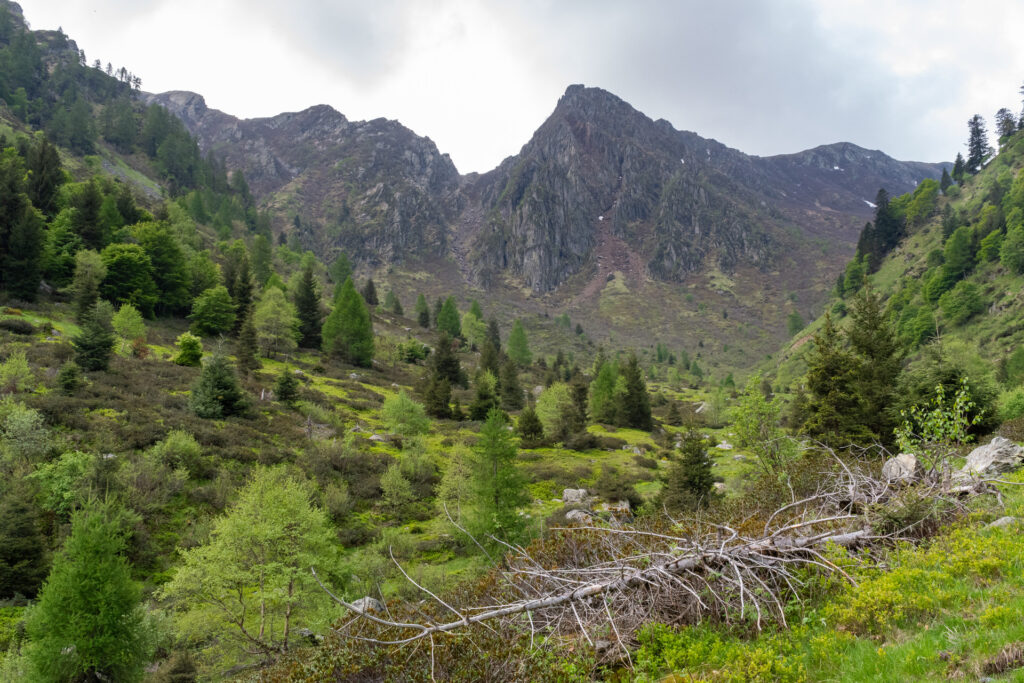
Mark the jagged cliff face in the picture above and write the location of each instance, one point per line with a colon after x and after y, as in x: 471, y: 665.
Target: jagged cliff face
x: 598, y: 184
x: 373, y: 188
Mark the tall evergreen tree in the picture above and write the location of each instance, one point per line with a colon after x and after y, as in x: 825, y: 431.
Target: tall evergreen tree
x: 518, y: 347
x: 490, y: 358
x: 1006, y: 123
x: 88, y: 623
x: 348, y: 330
x: 22, y: 548
x: 946, y: 181
x: 341, y: 270
x: 834, y: 408
x: 494, y: 333
x: 95, y: 342
x: 392, y: 304
x: 246, y: 346
x: 635, y: 410
x: 437, y: 396
x: 307, y: 308
x: 85, y: 217
x: 216, y: 394
x: 689, y: 483
x: 958, y: 168
x: 977, y: 144
x: 878, y: 351
x: 448, y: 318
x: 438, y: 305
x: 508, y: 386
x: 22, y: 266
x: 422, y: 311
x: 170, y: 272
x: 45, y: 176
x: 444, y: 363
x: 370, y: 293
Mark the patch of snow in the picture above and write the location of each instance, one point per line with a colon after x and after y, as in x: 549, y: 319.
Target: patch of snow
x: 871, y: 204
x: 682, y: 161
x: 836, y: 168
x: 600, y: 218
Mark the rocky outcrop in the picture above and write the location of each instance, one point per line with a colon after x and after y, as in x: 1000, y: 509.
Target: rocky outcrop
x: 902, y: 468
x: 574, y: 496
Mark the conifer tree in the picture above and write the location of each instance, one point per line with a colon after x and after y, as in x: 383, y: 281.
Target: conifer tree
x: 216, y: 394
x: 689, y: 483
x: 95, y: 342
x: 878, y: 351
x: 307, y: 308
x: 422, y: 311
x: 370, y: 293
x: 499, y: 487
x: 486, y: 398
x: 509, y: 387
x: 834, y: 409
x: 636, y: 404
x: 85, y: 286
x: 22, y: 549
x: 438, y: 305
x: 392, y: 304
x: 448, y: 318
x: 958, y: 169
x: 88, y: 623
x: 246, y: 345
x: 286, y: 387
x: 530, y: 428
x: 518, y: 347
x: 341, y: 270
x: 190, y: 350
x: 490, y: 358
x: 348, y: 330
x: 494, y: 333
x: 444, y: 363
x: 602, y: 405
x: 22, y: 268
x: 977, y: 144
x: 945, y: 182
x: 437, y: 396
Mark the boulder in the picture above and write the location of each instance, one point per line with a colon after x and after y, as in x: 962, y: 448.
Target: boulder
x: 573, y: 496
x: 378, y: 438
x: 367, y: 604
x: 581, y: 516
x: 720, y: 487
x: 1002, y: 521
x: 902, y: 468
x: 998, y: 456
x: 724, y: 446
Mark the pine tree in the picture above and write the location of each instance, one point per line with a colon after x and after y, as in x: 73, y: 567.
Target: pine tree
x: 834, y: 408
x: 22, y: 268
x: 874, y: 341
x: 88, y: 623
x: 341, y: 270
x: 448, y: 318
x: 69, y: 378
x: 348, y: 330
x: 486, y: 398
x: 530, y: 428
x: 946, y: 181
x: 392, y: 304
x: 286, y: 388
x: 216, y: 394
x: 85, y: 286
x: 422, y: 311
x: 307, y: 308
x: 438, y: 305
x: 445, y: 363
x: 94, y: 343
x: 636, y: 406
x: 1006, y: 123
x: 518, y: 347
x: 689, y: 483
x: 977, y: 144
x: 437, y: 396
x: 508, y: 386
x: 246, y: 347
x: 370, y: 293
x: 490, y: 358
x: 494, y: 333
x: 22, y: 548
x: 958, y: 169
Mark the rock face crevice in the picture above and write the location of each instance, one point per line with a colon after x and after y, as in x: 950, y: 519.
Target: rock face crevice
x: 681, y: 203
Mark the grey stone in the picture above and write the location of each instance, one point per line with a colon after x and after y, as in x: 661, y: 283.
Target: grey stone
x: 367, y: 604
x: 1002, y: 521
x: 572, y: 496
x: 903, y: 468
x: 998, y: 456
x: 581, y: 516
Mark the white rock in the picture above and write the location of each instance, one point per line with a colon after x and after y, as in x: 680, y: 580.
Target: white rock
x: 580, y: 516
x: 368, y: 604
x: 998, y: 456
x: 571, y: 496
x: 904, y: 467
x: 1001, y: 522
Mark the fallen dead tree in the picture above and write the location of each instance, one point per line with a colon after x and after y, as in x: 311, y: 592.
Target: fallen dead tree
x: 602, y: 583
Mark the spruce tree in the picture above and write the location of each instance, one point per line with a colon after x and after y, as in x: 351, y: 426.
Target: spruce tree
x: 307, y: 308
x: 445, y: 363
x: 518, y: 347
x: 437, y: 396
x: 422, y: 311
x: 85, y: 285
x: 392, y: 304
x: 23, y: 563
x: 485, y: 398
x: 370, y: 293
x: 509, y: 387
x: 946, y: 182
x: 438, y: 305
x: 977, y: 144
x: 348, y: 330
x: 635, y: 410
x: 286, y: 387
x: 216, y: 394
x: 494, y: 333
x: 94, y: 343
x: 88, y: 623
x: 246, y: 346
x: 834, y: 408
x: 878, y: 352
x: 341, y: 270
x: 689, y: 483
x: 958, y: 169
x: 530, y: 428
x: 448, y: 318
x: 490, y: 358
x: 22, y: 269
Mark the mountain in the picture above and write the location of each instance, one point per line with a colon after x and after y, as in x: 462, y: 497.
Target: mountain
x: 602, y: 200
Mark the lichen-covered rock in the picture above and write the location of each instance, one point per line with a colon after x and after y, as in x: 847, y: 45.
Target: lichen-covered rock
x: 902, y: 468
x: 574, y: 496
x: 581, y: 516
x: 367, y: 604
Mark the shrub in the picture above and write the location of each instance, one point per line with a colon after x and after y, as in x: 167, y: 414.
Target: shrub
x: 190, y: 350
x: 69, y: 378
x: 217, y: 394
x: 17, y: 326
x: 15, y: 374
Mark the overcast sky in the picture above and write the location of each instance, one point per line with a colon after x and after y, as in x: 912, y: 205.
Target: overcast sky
x: 479, y: 76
